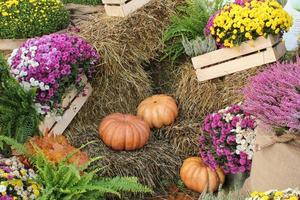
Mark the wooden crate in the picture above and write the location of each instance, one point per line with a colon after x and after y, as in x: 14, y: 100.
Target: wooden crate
x: 10, y: 44
x: 72, y: 103
x: 122, y: 8
x: 229, y: 60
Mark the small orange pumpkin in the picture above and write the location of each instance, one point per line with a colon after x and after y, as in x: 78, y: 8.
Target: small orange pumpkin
x: 124, y: 132
x: 158, y: 110
x: 199, y: 177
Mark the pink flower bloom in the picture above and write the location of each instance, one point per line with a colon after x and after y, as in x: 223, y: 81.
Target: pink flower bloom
x: 218, y: 143
x: 53, y: 63
x: 273, y: 97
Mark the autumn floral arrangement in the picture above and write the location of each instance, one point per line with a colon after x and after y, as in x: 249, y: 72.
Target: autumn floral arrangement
x: 228, y: 140
x: 247, y: 20
x: 17, y: 181
x: 29, y: 18
x: 51, y: 64
x: 288, y: 194
x: 274, y: 96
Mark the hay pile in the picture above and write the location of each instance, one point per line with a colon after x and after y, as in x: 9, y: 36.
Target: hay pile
x: 196, y: 100
x: 121, y: 83
x: 124, y: 45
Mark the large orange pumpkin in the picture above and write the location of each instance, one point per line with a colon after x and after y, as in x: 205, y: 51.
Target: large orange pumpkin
x: 158, y: 110
x: 199, y: 177
x: 124, y: 132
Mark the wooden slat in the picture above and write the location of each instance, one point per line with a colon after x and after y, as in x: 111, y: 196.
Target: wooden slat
x: 69, y: 97
x: 70, y: 113
x: 280, y: 50
x: 10, y: 44
x: 51, y: 120
x: 134, y: 5
x: 125, y: 9
x: 114, y: 11
x: 225, y: 54
x: 114, y: 1
x: 238, y: 64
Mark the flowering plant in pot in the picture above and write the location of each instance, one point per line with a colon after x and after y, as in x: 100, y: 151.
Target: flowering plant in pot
x: 51, y: 64
x: 247, y: 20
x: 228, y: 140
x: 273, y: 96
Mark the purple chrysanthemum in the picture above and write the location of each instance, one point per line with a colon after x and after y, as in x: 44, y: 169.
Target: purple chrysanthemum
x: 51, y: 64
x: 228, y: 140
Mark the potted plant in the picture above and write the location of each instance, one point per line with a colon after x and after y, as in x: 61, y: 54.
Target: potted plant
x: 273, y: 96
x: 228, y: 141
x: 247, y: 33
x: 57, y: 67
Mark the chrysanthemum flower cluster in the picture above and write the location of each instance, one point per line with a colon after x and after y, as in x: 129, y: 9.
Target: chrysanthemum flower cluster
x: 16, y: 181
x: 274, y: 95
x: 30, y: 18
x: 228, y: 140
x: 52, y: 64
x: 288, y: 194
x: 242, y: 21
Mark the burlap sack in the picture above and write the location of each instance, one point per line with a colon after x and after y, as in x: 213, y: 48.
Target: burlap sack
x: 276, y: 161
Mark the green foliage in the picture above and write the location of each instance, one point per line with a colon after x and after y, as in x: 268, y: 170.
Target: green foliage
x: 85, y: 2
x: 18, y: 117
x: 188, y: 22
x: 30, y: 18
x: 66, y: 182
x: 199, y: 46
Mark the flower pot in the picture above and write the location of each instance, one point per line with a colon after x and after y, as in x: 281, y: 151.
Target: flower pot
x: 235, y: 181
x: 276, y: 161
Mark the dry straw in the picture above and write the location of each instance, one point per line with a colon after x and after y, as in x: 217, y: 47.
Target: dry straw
x: 196, y: 100
x: 121, y: 83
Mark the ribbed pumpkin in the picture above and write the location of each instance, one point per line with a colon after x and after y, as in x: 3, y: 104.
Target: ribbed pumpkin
x: 124, y: 132
x: 199, y: 177
x: 158, y: 110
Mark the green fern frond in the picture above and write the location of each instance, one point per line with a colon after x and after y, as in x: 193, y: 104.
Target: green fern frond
x: 18, y: 116
x: 189, y: 22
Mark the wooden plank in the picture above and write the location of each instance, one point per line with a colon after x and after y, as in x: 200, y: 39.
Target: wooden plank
x: 69, y: 97
x: 50, y: 119
x: 236, y: 65
x: 114, y: 11
x: 10, y: 44
x: 134, y: 5
x: 70, y: 113
x: 47, y: 124
x: 225, y: 54
x: 280, y: 50
x: 114, y: 1
x: 125, y: 9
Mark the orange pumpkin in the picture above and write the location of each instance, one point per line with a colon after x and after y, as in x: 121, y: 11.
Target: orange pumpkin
x: 199, y: 177
x: 158, y: 110
x: 124, y: 132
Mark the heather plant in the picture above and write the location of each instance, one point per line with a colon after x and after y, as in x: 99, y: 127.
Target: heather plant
x: 30, y: 18
x: 228, y: 140
x: 274, y: 96
x: 50, y: 65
